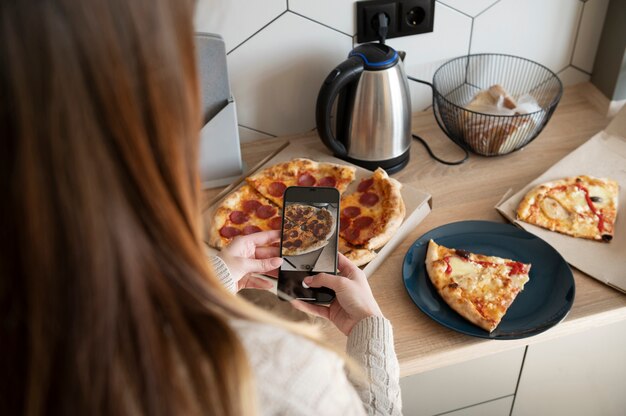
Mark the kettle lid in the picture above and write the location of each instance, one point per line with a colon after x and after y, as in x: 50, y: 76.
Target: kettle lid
x: 376, y: 56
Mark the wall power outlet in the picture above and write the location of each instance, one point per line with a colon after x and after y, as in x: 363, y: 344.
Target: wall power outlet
x: 405, y: 18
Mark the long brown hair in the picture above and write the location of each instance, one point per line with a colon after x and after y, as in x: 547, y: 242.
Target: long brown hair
x: 106, y: 302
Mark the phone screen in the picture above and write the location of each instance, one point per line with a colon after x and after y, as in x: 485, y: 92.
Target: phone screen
x: 308, y: 241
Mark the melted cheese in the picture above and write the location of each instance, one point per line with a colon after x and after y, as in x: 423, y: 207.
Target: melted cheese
x: 491, y: 284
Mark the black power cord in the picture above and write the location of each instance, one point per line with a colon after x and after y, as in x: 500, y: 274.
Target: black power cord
x: 422, y: 141
x: 383, y: 27
x: 445, y: 162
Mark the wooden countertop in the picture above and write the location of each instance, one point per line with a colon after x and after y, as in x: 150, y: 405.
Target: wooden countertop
x: 465, y: 192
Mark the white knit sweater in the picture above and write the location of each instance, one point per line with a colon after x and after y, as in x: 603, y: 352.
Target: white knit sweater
x: 295, y: 376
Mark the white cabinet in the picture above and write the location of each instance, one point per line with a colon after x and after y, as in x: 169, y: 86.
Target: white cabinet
x: 581, y: 374
x: 462, y: 385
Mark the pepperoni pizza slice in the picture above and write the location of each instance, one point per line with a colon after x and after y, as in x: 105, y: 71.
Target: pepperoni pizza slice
x: 307, y: 228
x: 243, y: 212
x: 371, y: 215
x: 272, y: 181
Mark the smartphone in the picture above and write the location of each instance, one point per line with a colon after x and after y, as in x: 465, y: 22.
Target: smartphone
x: 308, y: 243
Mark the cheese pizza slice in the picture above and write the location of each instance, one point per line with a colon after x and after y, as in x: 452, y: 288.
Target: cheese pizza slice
x: 480, y: 288
x: 580, y: 206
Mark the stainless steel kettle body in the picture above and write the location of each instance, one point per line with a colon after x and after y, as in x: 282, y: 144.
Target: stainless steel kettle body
x: 373, y: 118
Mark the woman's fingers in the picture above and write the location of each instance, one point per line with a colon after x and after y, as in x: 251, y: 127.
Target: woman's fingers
x: 266, y: 252
x: 263, y: 238
x: 347, y: 268
x: 261, y: 265
x: 330, y: 281
x: 256, y: 283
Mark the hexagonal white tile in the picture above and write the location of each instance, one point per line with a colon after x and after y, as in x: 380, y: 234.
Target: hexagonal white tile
x: 594, y: 12
x: 276, y: 75
x: 543, y: 31
x: 426, y: 52
x: 572, y: 76
x: 338, y: 14
x: 472, y: 7
x: 236, y: 20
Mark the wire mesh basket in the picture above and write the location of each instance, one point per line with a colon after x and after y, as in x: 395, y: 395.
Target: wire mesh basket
x: 457, y: 82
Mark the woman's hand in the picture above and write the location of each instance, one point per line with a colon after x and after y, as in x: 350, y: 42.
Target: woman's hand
x: 353, y: 297
x: 252, y: 254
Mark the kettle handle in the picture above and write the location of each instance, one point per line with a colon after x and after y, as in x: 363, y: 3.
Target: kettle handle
x: 348, y: 71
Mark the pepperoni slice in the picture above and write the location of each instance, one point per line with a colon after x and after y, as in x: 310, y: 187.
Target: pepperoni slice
x: 229, y: 232
x: 265, y: 211
x: 275, y: 223
x: 306, y: 179
x: 238, y: 217
x: 351, y: 234
x: 344, y: 222
x: 327, y: 181
x: 293, y: 234
x: 297, y: 243
x: 251, y: 229
x: 287, y: 244
x: 365, y: 185
x: 369, y: 199
x: 277, y: 189
x: 250, y: 205
x: 362, y: 222
x: 319, y: 231
x: 351, y: 212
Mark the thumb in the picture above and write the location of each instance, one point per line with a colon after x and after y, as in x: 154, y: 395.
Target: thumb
x: 326, y: 280
x: 261, y: 265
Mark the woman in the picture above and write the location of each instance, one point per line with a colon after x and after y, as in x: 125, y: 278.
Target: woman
x: 107, y: 301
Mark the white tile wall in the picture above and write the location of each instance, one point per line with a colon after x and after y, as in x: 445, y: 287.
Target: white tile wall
x: 236, y: 20
x: 589, y: 34
x: 471, y: 7
x: 281, y: 50
x: 517, y: 28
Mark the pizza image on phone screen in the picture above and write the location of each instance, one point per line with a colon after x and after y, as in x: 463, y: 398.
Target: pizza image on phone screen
x: 309, y: 240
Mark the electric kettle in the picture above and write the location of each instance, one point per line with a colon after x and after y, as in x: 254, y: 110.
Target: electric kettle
x: 372, y: 126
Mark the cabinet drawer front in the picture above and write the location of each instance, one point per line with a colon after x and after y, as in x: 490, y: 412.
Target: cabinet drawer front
x: 462, y: 385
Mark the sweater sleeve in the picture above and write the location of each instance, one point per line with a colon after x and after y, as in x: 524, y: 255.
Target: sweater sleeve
x: 370, y: 344
x: 222, y: 273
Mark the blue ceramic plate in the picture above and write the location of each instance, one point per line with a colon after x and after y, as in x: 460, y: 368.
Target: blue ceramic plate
x: 544, y: 302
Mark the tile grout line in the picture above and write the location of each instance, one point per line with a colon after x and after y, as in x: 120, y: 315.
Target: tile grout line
x: 488, y: 8
x: 319, y: 23
x: 257, y: 130
x: 257, y: 32
x: 519, y: 378
x: 580, y: 20
x: 452, y: 8
x: 472, y: 405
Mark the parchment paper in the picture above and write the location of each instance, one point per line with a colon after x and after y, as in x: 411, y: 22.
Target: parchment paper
x: 604, y: 155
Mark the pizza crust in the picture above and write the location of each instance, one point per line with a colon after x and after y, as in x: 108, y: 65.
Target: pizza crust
x: 393, y: 209
x: 358, y: 256
x: 436, y: 268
